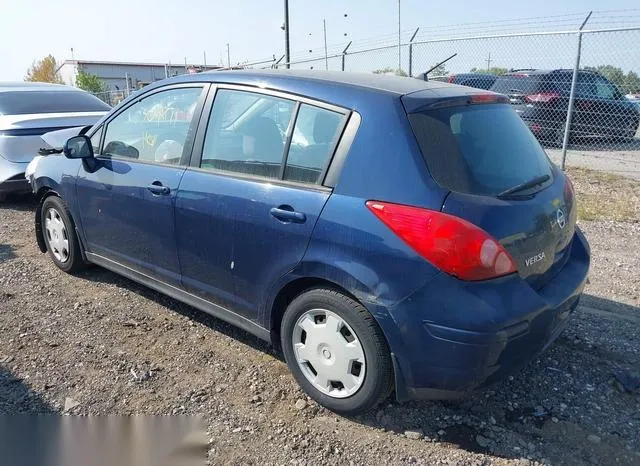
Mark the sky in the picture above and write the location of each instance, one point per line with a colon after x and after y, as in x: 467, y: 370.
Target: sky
x: 168, y: 31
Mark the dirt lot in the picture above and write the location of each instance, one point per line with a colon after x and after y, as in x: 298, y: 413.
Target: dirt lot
x: 109, y: 346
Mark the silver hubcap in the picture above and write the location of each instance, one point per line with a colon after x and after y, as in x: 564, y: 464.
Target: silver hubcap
x: 56, y: 235
x: 329, y: 353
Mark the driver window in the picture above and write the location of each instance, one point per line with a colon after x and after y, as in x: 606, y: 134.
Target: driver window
x: 154, y: 129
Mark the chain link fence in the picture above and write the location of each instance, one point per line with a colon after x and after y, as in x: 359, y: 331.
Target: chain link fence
x: 577, y: 90
x: 583, y: 81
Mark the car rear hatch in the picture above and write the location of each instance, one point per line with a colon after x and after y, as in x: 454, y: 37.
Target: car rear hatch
x: 522, y: 89
x: 499, y: 178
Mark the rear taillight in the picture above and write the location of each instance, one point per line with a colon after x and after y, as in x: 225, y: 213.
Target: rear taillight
x: 452, y: 79
x: 542, y: 97
x: 452, y: 244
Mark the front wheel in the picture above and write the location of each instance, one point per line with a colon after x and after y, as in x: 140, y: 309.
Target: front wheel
x: 336, y: 351
x: 60, y: 235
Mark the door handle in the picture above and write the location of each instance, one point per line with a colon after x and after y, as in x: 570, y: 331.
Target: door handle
x: 158, y: 189
x: 285, y: 213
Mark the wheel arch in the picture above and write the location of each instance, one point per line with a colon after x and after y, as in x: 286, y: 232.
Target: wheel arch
x: 42, y: 194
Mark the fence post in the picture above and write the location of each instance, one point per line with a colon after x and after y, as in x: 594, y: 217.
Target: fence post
x: 572, y: 94
x: 344, y: 54
x: 411, y: 52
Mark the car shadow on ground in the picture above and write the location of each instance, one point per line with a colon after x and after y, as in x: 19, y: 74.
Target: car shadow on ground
x: 28, y: 423
x: 6, y: 252
x: 16, y: 397
x: 100, y: 275
x: 520, y: 417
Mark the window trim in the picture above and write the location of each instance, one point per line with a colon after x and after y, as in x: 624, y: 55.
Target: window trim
x: 205, y: 89
x: 198, y: 146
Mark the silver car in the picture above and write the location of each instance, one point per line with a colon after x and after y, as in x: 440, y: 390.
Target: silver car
x: 29, y: 110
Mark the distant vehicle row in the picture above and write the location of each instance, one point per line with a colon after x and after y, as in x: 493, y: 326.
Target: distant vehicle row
x: 541, y: 98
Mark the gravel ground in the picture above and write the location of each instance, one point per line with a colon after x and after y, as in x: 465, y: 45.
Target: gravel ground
x: 101, y: 344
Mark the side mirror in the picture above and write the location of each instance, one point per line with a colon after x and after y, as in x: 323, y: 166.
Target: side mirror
x: 78, y: 147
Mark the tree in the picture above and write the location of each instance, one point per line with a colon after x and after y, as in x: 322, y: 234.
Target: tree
x: 440, y: 70
x: 45, y: 71
x: 495, y: 70
x: 90, y: 82
x: 387, y: 70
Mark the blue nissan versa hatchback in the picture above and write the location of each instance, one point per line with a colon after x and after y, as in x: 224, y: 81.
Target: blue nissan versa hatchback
x: 387, y: 233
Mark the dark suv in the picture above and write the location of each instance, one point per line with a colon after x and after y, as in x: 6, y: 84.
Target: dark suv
x: 477, y: 80
x: 541, y: 98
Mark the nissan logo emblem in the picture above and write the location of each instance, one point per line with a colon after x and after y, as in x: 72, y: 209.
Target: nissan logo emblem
x: 562, y: 221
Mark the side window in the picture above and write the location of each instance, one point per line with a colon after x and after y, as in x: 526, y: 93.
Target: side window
x: 604, y: 89
x: 154, y: 129
x: 314, y: 138
x: 586, y: 86
x: 95, y: 141
x: 247, y: 133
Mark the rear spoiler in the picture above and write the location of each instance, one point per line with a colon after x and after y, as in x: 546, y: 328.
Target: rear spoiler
x: 449, y: 96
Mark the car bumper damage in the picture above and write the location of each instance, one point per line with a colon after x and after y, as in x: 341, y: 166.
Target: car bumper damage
x: 489, y: 329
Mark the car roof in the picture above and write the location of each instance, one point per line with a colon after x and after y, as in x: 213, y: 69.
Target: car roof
x: 33, y: 86
x: 291, y: 79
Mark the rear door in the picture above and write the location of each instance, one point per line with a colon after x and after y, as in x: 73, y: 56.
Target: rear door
x: 481, y: 153
x: 255, y: 185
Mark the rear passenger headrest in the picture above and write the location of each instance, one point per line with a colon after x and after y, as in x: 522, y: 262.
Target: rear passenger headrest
x: 324, y: 127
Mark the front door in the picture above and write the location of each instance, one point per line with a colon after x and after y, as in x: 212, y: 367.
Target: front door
x: 126, y: 195
x: 258, y: 186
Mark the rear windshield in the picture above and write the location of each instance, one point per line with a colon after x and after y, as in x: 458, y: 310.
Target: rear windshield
x: 27, y: 102
x: 516, y: 84
x: 479, y: 149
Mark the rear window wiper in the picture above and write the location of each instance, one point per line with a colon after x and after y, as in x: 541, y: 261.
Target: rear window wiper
x: 524, y: 186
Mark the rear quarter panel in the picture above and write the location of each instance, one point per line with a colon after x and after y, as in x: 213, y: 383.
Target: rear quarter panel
x: 350, y: 246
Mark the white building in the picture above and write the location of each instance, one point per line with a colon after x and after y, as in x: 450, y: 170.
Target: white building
x: 125, y: 75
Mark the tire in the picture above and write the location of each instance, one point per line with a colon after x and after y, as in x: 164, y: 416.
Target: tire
x: 356, y: 350
x: 60, y: 235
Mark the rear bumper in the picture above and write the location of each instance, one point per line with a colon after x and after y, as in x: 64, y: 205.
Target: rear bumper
x: 15, y: 186
x: 453, y: 337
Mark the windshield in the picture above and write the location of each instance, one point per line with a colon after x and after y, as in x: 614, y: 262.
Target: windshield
x: 479, y: 149
x: 30, y: 102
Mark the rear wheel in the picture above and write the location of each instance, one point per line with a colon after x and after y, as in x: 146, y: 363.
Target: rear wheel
x: 60, y: 235
x: 336, y: 351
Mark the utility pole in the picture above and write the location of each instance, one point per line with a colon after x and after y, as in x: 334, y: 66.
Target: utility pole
x: 489, y: 62
x: 399, y: 40
x: 287, y: 54
x: 185, y: 65
x: 204, y: 54
x: 73, y: 58
x: 228, y: 57
x: 326, y: 59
